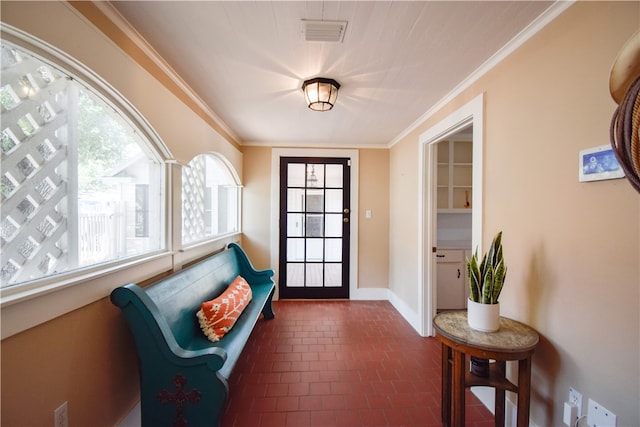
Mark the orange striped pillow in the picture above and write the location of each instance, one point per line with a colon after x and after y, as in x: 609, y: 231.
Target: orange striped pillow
x: 218, y: 316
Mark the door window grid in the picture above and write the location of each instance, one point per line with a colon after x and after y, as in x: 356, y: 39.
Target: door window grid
x: 314, y: 225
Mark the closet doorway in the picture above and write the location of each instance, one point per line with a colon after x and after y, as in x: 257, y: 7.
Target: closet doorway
x: 454, y: 190
x: 469, y: 118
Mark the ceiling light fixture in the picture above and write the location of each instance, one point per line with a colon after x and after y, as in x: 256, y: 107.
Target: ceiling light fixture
x: 321, y: 93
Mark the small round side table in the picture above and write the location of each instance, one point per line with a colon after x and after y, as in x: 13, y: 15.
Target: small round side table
x: 514, y: 341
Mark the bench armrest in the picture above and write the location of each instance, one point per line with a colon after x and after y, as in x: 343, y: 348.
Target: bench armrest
x: 247, y: 270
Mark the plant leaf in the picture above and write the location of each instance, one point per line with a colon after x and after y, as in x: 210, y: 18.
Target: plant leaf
x: 500, y: 275
x: 483, y: 269
x: 487, y: 280
x: 487, y: 286
x: 473, y: 273
x: 495, y: 251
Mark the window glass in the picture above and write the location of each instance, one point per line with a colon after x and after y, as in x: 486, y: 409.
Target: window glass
x: 210, y: 199
x: 79, y: 183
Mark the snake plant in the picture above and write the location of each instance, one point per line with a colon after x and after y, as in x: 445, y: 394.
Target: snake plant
x: 487, y: 278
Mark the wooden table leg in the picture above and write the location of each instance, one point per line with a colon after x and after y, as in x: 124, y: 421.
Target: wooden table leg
x: 524, y: 386
x: 446, y: 385
x: 458, y: 386
x: 500, y: 394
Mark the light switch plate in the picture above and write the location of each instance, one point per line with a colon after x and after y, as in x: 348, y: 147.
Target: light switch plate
x: 575, y: 397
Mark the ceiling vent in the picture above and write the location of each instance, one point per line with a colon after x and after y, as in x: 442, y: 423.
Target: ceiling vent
x: 323, y: 31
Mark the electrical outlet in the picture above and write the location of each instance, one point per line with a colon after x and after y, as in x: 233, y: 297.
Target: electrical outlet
x: 61, y: 416
x: 576, y: 398
x: 599, y: 416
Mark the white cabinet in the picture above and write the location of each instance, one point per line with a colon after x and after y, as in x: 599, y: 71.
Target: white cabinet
x: 451, y: 278
x: 455, y: 165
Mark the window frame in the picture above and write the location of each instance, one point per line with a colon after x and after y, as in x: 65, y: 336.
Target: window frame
x: 153, y: 148
x: 220, y: 159
x: 30, y: 304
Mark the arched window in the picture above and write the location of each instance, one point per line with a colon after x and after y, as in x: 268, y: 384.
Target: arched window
x: 210, y: 199
x: 80, y: 184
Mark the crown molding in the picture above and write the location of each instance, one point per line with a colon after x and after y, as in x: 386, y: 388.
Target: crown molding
x: 88, y: 9
x: 529, y: 31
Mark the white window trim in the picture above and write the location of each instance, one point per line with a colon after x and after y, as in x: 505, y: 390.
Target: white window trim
x: 84, y: 75
x: 23, y: 306
x: 26, y: 309
x: 237, y: 182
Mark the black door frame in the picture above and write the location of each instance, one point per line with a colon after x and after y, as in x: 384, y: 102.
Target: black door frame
x: 315, y: 292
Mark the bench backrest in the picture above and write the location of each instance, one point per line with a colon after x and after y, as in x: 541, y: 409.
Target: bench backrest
x: 171, y: 347
x: 178, y: 297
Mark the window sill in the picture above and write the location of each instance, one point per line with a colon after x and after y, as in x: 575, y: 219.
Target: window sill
x: 24, y: 307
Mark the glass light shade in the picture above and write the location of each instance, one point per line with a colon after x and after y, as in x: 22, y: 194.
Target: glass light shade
x: 321, y: 93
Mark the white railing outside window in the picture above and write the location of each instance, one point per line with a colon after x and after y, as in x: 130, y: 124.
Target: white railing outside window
x: 210, y: 199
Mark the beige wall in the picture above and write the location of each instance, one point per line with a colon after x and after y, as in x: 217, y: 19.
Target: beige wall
x: 256, y: 205
x: 403, y: 221
x: 373, y: 233
x: 572, y: 248
x: 85, y: 358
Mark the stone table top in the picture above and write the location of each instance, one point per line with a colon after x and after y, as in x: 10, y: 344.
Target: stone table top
x: 511, y: 336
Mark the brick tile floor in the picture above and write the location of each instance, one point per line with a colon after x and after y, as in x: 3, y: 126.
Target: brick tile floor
x: 339, y: 363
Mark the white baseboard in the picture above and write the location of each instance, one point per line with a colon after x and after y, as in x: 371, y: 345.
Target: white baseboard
x: 369, y: 294
x: 405, y: 311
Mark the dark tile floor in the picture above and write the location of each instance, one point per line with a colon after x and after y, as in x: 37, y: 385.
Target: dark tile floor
x: 339, y: 363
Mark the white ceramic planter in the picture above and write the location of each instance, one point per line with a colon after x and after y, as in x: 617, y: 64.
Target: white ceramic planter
x: 483, y: 317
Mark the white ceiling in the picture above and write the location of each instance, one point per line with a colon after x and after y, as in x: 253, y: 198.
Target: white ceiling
x: 247, y: 60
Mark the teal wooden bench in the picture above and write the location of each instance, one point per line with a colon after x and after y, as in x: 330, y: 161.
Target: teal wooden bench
x: 183, y: 375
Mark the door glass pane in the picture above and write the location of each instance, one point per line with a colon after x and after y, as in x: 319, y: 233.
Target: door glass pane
x: 295, y: 275
x: 333, y: 250
x: 334, y: 200
x: 315, y: 201
x: 315, y: 176
x: 296, y: 175
x: 334, y: 176
x: 314, y: 250
x: 333, y: 275
x: 314, y: 226
x: 295, y: 200
x: 314, y: 274
x: 295, y: 249
x: 294, y: 225
x: 333, y: 225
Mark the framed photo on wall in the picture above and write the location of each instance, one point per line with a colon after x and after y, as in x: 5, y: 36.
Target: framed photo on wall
x: 598, y: 163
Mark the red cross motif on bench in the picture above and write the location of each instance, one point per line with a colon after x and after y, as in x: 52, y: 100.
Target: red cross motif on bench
x: 180, y: 397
